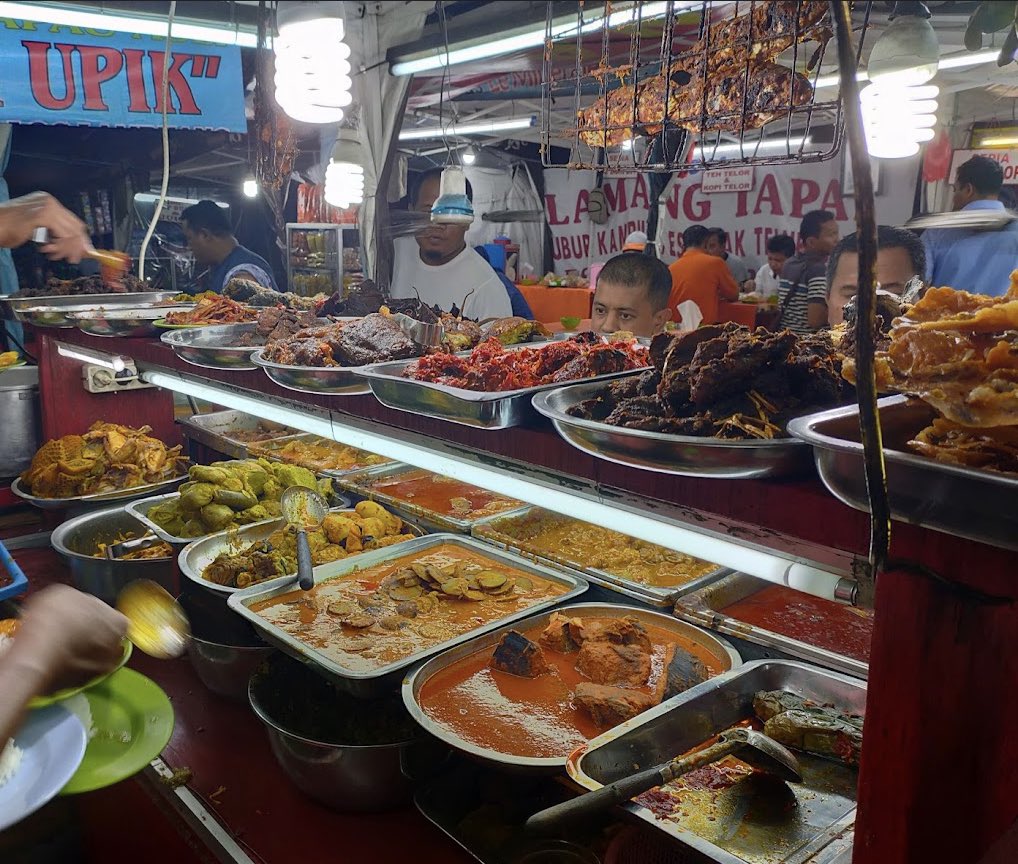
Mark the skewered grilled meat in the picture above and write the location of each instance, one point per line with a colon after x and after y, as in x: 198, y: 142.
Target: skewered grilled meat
x: 720, y: 102
x: 710, y: 89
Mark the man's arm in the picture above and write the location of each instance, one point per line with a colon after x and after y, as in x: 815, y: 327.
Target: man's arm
x: 728, y: 288
x: 816, y: 303
x: 19, y: 218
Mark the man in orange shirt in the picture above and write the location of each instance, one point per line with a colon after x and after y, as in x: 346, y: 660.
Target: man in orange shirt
x: 704, y: 279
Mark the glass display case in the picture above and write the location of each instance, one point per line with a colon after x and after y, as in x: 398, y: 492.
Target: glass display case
x: 314, y: 258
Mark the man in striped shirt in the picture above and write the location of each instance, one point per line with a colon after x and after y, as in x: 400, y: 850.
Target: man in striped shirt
x: 802, y: 291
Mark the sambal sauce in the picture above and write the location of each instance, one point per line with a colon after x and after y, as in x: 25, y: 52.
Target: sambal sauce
x: 835, y: 627
x: 442, y: 495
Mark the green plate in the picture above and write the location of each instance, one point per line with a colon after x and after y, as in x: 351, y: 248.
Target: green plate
x: 66, y: 693
x: 16, y: 365
x: 133, y: 720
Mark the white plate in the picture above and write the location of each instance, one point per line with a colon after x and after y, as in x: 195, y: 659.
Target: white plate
x: 53, y: 743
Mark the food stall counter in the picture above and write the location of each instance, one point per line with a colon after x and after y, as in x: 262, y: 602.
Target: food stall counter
x: 551, y: 304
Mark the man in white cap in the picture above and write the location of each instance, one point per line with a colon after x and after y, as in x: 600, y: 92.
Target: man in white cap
x: 635, y: 242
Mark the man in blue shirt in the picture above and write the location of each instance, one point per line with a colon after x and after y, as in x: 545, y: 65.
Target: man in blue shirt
x: 976, y: 261
x: 210, y: 237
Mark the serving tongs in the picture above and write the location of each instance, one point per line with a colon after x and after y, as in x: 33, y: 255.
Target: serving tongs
x: 112, y: 264
x: 423, y: 334
x: 115, y: 551
x: 753, y: 748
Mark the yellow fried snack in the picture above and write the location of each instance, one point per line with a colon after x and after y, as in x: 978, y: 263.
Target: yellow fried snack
x: 107, y: 458
x: 959, y: 353
x: 9, y: 358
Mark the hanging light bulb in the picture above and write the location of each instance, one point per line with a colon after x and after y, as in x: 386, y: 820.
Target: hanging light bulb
x: 897, y: 119
x: 312, y: 62
x: 898, y: 112
x: 251, y: 188
x: 907, y: 52
x: 452, y: 207
x: 344, y: 176
x: 468, y: 156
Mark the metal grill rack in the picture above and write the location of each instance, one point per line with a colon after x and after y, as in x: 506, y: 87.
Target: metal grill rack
x: 741, y: 81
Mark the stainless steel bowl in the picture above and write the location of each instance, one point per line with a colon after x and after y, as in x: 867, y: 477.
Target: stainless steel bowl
x: 343, y: 777
x: 133, y: 322
x: 225, y: 669
x: 685, y: 455
x: 58, y: 306
x: 724, y: 656
x: 77, y: 540
x: 338, y: 380
x: 213, y: 347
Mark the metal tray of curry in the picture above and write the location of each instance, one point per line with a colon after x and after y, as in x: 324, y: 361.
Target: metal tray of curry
x: 730, y: 814
x: 321, y: 455
x: 829, y: 634
x: 233, y: 432
x: 650, y: 574
x: 533, y: 724
x: 432, y: 501
x: 195, y: 558
x: 369, y: 618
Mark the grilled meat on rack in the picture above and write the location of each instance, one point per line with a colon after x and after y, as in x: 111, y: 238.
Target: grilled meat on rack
x: 727, y: 81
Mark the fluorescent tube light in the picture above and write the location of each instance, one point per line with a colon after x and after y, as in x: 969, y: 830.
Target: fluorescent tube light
x: 144, y: 24
x: 560, y: 29
x: 87, y: 355
x: 401, y: 446
x: 953, y: 61
x: 999, y: 141
x: 481, y: 127
x: 750, y: 147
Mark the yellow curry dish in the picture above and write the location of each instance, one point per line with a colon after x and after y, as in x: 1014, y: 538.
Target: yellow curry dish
x: 369, y: 526
x: 585, y: 546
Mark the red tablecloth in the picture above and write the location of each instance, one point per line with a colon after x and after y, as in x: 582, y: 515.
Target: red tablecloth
x: 550, y: 304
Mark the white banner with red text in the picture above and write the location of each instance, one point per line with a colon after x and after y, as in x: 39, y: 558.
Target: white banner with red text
x: 775, y: 204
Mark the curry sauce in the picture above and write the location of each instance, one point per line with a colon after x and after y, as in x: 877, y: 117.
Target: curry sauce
x: 368, y: 619
x: 531, y: 717
x: 583, y: 545
x: 442, y: 495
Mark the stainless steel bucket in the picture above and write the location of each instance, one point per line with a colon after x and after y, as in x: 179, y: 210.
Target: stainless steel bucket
x: 19, y: 429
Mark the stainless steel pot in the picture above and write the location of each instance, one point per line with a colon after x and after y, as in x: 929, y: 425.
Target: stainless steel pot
x: 19, y: 428
x: 78, y: 540
x: 343, y: 777
x: 225, y: 669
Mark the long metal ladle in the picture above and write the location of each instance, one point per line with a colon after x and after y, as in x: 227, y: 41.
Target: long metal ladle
x: 305, y: 509
x: 753, y: 748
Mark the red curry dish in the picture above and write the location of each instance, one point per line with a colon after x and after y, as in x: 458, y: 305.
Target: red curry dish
x: 544, y: 692
x: 832, y: 626
x: 492, y: 368
x: 439, y: 494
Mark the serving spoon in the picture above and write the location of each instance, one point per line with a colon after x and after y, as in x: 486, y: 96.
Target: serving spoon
x: 156, y: 623
x: 753, y: 748
x: 305, y: 509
